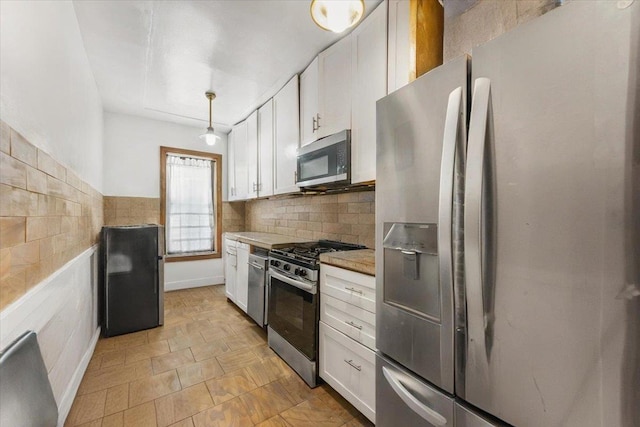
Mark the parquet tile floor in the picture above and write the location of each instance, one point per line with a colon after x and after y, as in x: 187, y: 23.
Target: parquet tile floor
x: 208, y: 365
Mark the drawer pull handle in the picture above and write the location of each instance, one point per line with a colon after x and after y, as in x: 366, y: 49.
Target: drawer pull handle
x: 350, y: 323
x: 354, y: 290
x: 353, y: 365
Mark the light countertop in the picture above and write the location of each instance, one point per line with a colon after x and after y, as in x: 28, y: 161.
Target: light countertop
x: 361, y: 260
x: 264, y: 240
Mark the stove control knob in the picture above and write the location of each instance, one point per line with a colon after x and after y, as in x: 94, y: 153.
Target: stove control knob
x: 275, y: 263
x: 297, y: 271
x: 287, y: 267
x: 303, y: 272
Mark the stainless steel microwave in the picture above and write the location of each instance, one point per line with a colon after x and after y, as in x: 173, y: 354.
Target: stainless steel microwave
x: 325, y: 162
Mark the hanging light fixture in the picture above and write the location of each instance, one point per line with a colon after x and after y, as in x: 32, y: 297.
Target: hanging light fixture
x: 209, y: 137
x: 336, y: 15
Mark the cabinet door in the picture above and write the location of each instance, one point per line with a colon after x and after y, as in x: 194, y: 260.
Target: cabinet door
x: 309, y: 103
x: 265, y: 149
x: 252, y: 155
x: 369, y: 83
x: 231, y: 167
x: 349, y: 286
x: 354, y: 322
x: 230, y: 269
x: 287, y: 137
x: 399, y: 42
x: 334, y: 94
x: 242, y: 276
x: 349, y: 368
x: 240, y: 161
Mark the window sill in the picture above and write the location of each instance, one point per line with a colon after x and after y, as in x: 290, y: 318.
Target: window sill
x: 194, y: 257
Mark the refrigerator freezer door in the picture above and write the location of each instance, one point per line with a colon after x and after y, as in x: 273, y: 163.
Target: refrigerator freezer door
x: 420, y: 147
x: 466, y: 417
x: 403, y: 399
x: 550, y: 207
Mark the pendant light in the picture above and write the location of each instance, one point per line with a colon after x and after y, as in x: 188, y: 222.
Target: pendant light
x: 209, y: 137
x: 336, y: 15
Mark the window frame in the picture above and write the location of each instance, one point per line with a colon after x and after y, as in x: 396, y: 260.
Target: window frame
x: 217, y: 200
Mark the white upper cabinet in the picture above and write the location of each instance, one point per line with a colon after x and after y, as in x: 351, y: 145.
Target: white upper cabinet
x: 334, y: 84
x: 368, y: 85
x: 325, y: 93
x: 286, y: 112
x: 252, y: 155
x: 240, y: 159
x: 265, y: 149
x: 231, y: 168
x: 309, y: 103
x: 399, y: 42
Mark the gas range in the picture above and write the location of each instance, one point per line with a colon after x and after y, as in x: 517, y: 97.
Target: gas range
x: 293, y: 303
x: 302, y: 261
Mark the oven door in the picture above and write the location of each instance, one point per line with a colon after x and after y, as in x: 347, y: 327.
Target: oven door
x: 293, y: 312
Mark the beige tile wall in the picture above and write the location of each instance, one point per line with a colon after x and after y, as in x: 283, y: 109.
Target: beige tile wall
x: 131, y: 210
x: 486, y: 20
x: 348, y: 217
x: 48, y: 215
x: 146, y: 210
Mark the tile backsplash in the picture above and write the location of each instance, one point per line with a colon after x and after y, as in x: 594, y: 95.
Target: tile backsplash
x: 348, y: 217
x: 233, y: 216
x: 48, y: 215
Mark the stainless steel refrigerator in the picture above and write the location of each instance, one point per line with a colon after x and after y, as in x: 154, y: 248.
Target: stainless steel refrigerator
x: 131, y: 278
x: 508, y: 230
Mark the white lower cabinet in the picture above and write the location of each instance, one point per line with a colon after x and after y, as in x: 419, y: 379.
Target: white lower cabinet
x: 348, y: 336
x: 352, y: 321
x: 230, y: 268
x: 350, y: 368
x: 236, y: 272
x: 349, y: 286
x: 242, y: 278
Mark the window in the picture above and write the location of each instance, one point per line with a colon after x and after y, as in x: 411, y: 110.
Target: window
x: 190, y: 209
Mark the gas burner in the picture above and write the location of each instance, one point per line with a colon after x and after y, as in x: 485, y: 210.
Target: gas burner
x: 307, y: 255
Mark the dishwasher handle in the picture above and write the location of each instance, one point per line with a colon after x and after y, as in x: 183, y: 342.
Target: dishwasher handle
x: 255, y: 265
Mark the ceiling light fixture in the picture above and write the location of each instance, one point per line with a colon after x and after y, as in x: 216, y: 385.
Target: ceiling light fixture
x: 336, y: 15
x: 209, y: 137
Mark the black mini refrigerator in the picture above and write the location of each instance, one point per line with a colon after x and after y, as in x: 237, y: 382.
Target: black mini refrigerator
x: 131, y: 278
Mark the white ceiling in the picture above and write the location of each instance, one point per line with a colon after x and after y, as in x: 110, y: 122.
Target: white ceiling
x: 157, y: 58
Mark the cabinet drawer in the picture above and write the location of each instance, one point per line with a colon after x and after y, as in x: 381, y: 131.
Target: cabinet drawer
x: 352, y: 321
x: 349, y: 368
x: 355, y: 288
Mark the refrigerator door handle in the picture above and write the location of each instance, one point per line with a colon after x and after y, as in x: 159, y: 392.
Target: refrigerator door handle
x: 410, y: 400
x: 477, y: 357
x: 452, y: 133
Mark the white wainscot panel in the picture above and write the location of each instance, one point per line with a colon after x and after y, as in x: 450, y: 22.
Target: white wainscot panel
x: 63, y: 311
x: 193, y: 274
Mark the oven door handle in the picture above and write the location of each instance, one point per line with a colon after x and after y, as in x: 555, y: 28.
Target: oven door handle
x: 292, y: 282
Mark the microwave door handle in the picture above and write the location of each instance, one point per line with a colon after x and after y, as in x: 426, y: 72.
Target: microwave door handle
x: 477, y: 357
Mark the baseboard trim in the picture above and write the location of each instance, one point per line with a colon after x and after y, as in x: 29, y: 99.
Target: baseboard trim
x: 193, y: 283
x: 70, y: 393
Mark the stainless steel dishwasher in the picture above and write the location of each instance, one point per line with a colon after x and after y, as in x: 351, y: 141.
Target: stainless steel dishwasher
x: 256, y: 304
